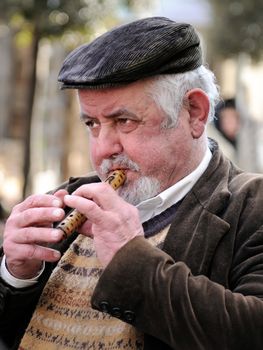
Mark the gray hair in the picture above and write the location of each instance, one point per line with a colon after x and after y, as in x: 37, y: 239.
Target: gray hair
x: 168, y: 91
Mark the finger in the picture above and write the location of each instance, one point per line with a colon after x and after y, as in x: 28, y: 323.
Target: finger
x: 38, y: 201
x: 101, y: 193
x: 60, y: 194
x: 85, y: 206
x: 37, y: 235
x: 86, y: 229
x: 34, y: 216
x: 36, y: 252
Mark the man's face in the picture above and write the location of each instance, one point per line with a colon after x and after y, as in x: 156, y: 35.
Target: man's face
x: 125, y: 127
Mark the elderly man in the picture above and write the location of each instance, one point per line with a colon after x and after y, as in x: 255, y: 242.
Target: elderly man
x: 173, y: 258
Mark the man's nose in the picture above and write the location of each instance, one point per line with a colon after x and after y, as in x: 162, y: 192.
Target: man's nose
x: 108, y: 142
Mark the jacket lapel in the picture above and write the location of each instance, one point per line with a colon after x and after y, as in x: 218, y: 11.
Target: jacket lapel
x: 194, y: 236
x: 198, y: 227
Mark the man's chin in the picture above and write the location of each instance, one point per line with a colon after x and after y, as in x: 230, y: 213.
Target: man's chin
x: 136, y: 191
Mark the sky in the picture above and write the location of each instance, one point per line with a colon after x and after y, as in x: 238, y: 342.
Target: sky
x: 197, y: 12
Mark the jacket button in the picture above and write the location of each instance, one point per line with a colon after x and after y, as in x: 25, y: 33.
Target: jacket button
x: 104, y: 306
x: 129, y: 316
x: 116, y: 312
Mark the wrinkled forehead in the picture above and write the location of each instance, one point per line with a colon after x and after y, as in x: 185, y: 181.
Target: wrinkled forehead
x: 129, y: 94
x: 131, y: 101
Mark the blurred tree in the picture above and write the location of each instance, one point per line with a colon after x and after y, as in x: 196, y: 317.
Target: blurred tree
x: 51, y: 18
x: 237, y: 27
x: 237, y: 32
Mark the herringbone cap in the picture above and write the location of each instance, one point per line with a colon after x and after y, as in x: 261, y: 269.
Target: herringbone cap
x: 140, y: 49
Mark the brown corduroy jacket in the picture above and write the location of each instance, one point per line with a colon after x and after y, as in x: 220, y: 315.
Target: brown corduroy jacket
x: 204, y: 290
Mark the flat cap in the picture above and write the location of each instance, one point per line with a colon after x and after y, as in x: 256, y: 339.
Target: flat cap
x: 140, y: 49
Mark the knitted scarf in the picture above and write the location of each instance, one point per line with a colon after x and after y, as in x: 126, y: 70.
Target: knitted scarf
x: 64, y: 319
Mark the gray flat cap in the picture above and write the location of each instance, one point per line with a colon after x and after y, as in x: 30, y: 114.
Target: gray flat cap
x: 140, y: 49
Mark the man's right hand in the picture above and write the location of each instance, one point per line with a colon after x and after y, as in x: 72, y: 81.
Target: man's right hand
x: 27, y: 232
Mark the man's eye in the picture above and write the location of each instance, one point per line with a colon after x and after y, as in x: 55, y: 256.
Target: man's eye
x: 127, y: 125
x: 91, y: 124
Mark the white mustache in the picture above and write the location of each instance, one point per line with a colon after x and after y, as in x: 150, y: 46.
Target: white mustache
x: 121, y: 160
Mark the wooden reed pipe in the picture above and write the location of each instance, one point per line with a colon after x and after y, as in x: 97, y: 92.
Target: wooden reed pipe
x: 75, y: 219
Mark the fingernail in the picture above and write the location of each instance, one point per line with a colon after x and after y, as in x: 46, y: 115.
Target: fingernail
x: 56, y: 203
x: 56, y: 234
x: 57, y: 213
x: 56, y: 254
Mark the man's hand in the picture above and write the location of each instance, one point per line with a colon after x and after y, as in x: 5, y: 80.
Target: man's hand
x: 112, y: 222
x: 27, y: 231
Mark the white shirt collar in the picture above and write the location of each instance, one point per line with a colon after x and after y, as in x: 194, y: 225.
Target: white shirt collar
x: 154, y: 206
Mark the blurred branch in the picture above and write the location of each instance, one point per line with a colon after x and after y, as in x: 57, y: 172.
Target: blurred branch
x: 32, y: 21
x: 237, y: 27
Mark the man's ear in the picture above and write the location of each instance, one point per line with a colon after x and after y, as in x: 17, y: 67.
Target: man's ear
x: 198, y: 108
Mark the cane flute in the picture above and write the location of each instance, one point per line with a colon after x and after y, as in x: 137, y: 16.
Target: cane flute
x: 75, y: 219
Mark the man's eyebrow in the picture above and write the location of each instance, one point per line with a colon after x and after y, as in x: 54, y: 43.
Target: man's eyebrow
x: 117, y: 113
x: 85, y: 116
x: 120, y: 112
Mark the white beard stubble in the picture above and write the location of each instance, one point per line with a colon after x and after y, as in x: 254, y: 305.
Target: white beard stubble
x: 139, y: 190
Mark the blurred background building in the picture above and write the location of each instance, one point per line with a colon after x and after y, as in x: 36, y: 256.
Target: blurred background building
x: 41, y: 141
